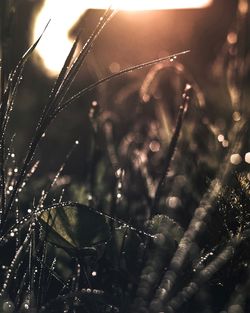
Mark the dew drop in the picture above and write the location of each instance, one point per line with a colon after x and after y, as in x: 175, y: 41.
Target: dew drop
x: 114, y: 67
x: 77, y: 142
x: 173, y: 202
x: 8, y: 307
x: 118, y: 173
x: 232, y: 38
x: 119, y: 196
x: 225, y: 143
x: 26, y: 306
x: 220, y: 138
x: 94, y: 273
x: 235, y: 159
x: 236, y: 116
x: 247, y: 157
x: 154, y: 146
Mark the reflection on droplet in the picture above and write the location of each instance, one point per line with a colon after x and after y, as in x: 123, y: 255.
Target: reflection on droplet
x: 154, y: 146
x: 145, y: 98
x: 77, y: 142
x: 236, y: 116
x: 235, y: 159
x: 8, y: 307
x: 247, y: 157
x: 220, y: 138
x: 225, y: 143
x: 243, y: 7
x: 26, y: 306
x: 118, y: 173
x: 94, y: 273
x: 232, y: 38
x: 114, y: 67
x: 173, y: 202
x: 119, y: 196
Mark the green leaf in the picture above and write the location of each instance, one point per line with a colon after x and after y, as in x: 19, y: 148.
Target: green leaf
x: 75, y: 228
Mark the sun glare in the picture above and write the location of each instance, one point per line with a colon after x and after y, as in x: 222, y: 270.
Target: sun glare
x: 55, y: 45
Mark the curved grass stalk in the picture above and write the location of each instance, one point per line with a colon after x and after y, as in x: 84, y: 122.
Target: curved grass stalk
x: 31, y: 216
x: 118, y: 74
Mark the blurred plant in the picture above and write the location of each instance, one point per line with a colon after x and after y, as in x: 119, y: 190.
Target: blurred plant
x: 165, y: 201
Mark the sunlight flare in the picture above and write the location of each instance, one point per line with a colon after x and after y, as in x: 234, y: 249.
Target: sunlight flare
x: 55, y: 45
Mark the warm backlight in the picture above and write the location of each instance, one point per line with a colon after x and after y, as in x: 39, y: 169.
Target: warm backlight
x: 55, y: 45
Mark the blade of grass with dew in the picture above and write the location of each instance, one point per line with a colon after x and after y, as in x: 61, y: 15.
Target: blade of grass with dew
x: 115, y: 75
x: 172, y: 147
x: 5, y: 109
x: 59, y: 95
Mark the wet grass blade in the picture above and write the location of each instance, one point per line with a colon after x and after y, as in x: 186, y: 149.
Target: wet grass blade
x: 172, y: 147
x: 108, y: 78
x: 52, y: 107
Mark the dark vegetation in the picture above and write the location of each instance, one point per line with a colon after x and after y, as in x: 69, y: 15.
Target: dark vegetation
x: 160, y: 222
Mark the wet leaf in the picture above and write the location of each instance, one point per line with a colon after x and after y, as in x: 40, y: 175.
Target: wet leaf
x: 75, y: 228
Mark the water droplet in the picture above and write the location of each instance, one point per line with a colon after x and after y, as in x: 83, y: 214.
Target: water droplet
x: 145, y: 98
x: 236, y: 116
x: 173, y: 202
x: 114, y: 67
x: 154, y: 146
x: 8, y: 307
x: 118, y: 173
x: 220, y: 138
x: 94, y: 273
x: 247, y: 157
x: 12, y: 155
x: 225, y: 143
x: 119, y: 196
x: 235, y: 159
x: 232, y: 38
x: 77, y: 142
x: 26, y: 306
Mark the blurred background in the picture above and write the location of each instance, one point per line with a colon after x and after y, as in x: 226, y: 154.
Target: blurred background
x: 131, y: 37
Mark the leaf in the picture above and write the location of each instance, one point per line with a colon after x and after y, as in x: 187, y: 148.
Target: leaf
x: 75, y: 228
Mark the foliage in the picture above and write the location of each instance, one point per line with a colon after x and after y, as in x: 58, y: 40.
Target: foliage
x: 161, y: 222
